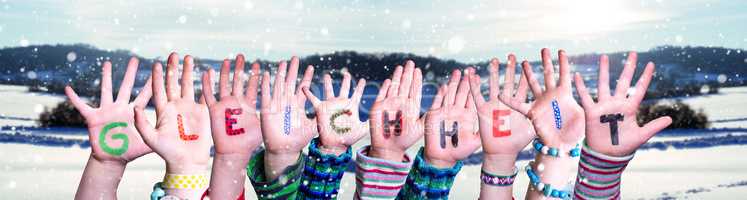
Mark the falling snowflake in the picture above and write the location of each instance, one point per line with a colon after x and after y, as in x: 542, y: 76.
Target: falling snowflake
x: 71, y: 56
x: 182, y: 19
x: 455, y: 44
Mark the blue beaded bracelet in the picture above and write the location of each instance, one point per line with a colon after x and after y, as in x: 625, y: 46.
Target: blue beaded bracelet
x: 552, y: 151
x: 546, y: 189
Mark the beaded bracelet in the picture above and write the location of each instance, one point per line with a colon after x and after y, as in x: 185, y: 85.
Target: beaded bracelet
x: 545, y: 188
x: 498, y: 180
x: 552, y: 151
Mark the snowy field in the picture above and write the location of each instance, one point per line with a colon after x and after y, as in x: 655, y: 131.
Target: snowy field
x: 41, y: 172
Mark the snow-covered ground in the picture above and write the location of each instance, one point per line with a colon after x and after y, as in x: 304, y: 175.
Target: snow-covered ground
x: 39, y: 172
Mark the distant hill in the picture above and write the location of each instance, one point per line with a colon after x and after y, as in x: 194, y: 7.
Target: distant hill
x: 54, y: 66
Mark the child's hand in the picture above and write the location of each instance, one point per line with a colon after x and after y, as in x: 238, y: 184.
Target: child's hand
x: 337, y: 117
x: 285, y: 128
x: 451, y: 124
x: 234, y: 120
x: 555, y: 115
x: 111, y: 127
x: 394, y: 116
x: 611, y: 125
x: 182, y: 134
x: 504, y: 131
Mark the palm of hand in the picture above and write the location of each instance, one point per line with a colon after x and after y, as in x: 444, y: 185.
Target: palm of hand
x: 347, y: 119
x: 244, y: 133
x: 543, y: 118
x: 599, y: 133
x: 468, y: 139
x: 411, y: 128
x: 111, y: 115
x: 178, y: 124
x: 280, y: 122
x: 521, y: 133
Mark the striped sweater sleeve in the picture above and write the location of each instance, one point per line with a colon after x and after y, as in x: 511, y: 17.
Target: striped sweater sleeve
x: 283, y: 187
x: 425, y: 181
x: 379, y: 178
x: 322, y: 173
x: 599, y: 175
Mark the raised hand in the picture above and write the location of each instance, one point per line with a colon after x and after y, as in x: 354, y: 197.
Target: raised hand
x: 114, y: 139
x: 182, y: 133
x: 337, y: 117
x: 451, y: 123
x: 611, y: 124
x: 234, y: 120
x: 504, y: 131
x: 285, y: 128
x: 395, y: 123
x: 111, y: 126
x: 235, y: 125
x: 555, y: 115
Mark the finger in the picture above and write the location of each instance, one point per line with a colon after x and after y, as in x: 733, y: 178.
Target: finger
x: 251, y: 90
x: 470, y: 103
x: 290, y: 81
x: 82, y: 107
x: 306, y: 81
x: 439, y: 98
x: 106, y: 83
x: 494, y: 79
x: 474, y: 82
x: 329, y: 92
x: 309, y: 95
x: 452, y: 87
x: 207, y: 87
x: 565, y: 70
x: 548, y: 71
x: 521, y: 92
x: 159, y: 93
x: 463, y: 90
x: 125, y: 89
x: 603, y: 87
x: 145, y: 93
x: 533, y: 84
x: 407, y: 77
x: 583, y: 92
x: 623, y: 83
x: 279, y: 85
x: 394, y: 87
x: 225, y: 70
x: 508, y: 80
x: 171, y: 80
x: 188, y: 90
x: 266, y: 97
x: 238, y: 76
x: 416, y: 90
x: 358, y: 92
x: 653, y: 127
x: 345, y: 85
x: 642, y: 85
x: 202, y: 100
x: 383, y: 90
x: 143, y: 126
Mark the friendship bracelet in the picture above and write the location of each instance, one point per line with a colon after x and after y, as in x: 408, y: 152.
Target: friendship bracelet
x: 498, y: 180
x: 552, y: 151
x: 546, y: 189
x: 179, y: 181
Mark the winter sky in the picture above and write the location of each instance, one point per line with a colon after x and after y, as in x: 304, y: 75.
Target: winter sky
x: 468, y: 30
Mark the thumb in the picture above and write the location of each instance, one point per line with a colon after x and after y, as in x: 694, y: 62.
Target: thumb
x: 144, y: 127
x: 653, y: 127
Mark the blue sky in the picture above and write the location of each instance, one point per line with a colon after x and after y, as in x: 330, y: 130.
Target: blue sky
x: 469, y: 30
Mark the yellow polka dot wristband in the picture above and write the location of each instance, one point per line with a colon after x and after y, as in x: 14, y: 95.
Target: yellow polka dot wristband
x: 179, y: 181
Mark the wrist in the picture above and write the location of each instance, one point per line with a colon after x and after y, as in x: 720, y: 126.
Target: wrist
x: 238, y: 159
x: 186, y: 168
x: 499, y: 163
x: 276, y: 162
x: 108, y: 165
x: 554, y: 170
x: 333, y: 149
x: 387, y: 154
x: 439, y: 163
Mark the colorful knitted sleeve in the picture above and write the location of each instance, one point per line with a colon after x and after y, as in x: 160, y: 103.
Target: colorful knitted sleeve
x: 425, y: 181
x: 284, y: 187
x: 378, y: 178
x: 599, y: 175
x: 322, y: 173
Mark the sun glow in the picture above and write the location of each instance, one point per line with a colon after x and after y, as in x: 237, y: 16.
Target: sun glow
x: 589, y: 17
